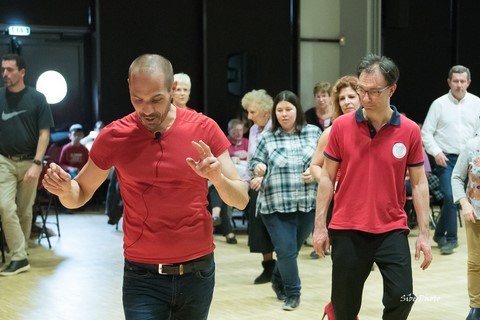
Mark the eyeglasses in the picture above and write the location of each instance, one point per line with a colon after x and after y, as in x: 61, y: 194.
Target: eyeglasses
x: 371, y: 93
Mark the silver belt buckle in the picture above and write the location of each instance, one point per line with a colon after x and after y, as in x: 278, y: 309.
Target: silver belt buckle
x: 160, y: 268
x: 160, y: 271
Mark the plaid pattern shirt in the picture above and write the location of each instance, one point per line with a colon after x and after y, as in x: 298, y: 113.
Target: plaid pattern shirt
x: 434, y: 187
x: 286, y: 156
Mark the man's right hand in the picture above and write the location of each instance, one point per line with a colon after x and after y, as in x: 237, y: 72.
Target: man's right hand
x: 56, y: 180
x: 321, y: 241
x: 441, y: 159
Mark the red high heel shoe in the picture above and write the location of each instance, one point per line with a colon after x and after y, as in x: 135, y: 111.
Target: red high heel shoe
x: 328, y: 311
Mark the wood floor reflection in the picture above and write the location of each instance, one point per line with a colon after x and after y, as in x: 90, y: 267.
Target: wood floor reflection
x: 81, y: 278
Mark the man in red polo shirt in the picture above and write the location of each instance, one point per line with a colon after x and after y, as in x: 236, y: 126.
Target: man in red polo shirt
x: 373, y: 148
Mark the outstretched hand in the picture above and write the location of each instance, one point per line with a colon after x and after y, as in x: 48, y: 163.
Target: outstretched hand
x: 207, y: 166
x: 56, y: 180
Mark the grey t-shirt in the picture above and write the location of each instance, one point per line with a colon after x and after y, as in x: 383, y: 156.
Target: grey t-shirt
x: 23, y: 115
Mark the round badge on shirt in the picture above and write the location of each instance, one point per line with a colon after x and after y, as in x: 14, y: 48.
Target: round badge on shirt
x: 399, y: 150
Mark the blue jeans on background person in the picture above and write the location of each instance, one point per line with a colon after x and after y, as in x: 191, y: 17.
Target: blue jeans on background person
x: 288, y: 232
x: 447, y: 222
x: 149, y: 296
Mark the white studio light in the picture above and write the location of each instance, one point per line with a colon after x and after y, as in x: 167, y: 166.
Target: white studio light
x: 53, y: 85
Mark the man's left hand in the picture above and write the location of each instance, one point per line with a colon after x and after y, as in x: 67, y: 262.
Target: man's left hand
x: 207, y: 166
x: 423, y: 245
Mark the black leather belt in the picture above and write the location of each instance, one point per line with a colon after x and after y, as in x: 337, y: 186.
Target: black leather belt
x: 176, y: 269
x: 19, y: 157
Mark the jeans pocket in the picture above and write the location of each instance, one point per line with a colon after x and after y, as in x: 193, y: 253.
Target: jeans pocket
x: 207, y: 273
x: 132, y: 270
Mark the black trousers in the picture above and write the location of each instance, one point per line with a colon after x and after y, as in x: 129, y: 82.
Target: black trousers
x: 353, y: 254
x: 214, y: 200
x: 259, y: 239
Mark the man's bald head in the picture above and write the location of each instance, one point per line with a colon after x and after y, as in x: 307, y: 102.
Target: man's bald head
x: 151, y: 64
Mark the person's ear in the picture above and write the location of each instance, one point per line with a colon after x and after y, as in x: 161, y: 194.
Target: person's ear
x: 392, y: 89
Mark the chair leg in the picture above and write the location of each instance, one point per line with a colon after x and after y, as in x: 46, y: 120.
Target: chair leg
x: 43, y: 231
x: 432, y: 219
x: 434, y: 215
x: 2, y: 243
x: 53, y: 201
x: 459, y: 217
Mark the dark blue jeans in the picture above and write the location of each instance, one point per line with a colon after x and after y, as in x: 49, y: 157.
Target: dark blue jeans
x: 149, y: 296
x: 288, y: 232
x: 447, y: 222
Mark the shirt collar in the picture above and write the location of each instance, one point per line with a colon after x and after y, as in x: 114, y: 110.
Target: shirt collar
x: 394, y: 120
x: 454, y: 100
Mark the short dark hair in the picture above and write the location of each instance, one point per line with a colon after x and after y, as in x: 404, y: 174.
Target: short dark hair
x: 386, y: 66
x: 293, y: 99
x: 234, y: 122
x: 18, y: 59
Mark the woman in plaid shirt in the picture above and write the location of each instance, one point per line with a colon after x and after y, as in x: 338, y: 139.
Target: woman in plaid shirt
x: 286, y: 200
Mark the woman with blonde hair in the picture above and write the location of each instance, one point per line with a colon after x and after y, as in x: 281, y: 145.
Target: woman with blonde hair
x: 258, y: 105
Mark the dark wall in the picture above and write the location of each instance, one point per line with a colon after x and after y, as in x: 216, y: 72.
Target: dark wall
x: 197, y: 38
x: 264, y: 33
x: 46, y: 12
x: 426, y: 38
x: 127, y: 30
x: 468, y: 48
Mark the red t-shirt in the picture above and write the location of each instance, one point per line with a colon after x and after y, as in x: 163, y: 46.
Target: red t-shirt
x: 165, y: 202
x: 370, y: 193
x: 242, y: 146
x: 73, y: 156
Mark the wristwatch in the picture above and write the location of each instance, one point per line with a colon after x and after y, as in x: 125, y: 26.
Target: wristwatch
x: 37, y: 162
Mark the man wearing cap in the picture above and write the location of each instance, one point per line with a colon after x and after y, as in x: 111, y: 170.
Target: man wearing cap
x: 74, y: 155
x: 25, y: 132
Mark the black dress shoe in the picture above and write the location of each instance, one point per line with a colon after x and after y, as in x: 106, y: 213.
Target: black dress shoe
x: 232, y: 240
x: 279, y: 291
x: 474, y: 314
x: 15, y: 267
x: 291, y: 303
x: 216, y: 221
